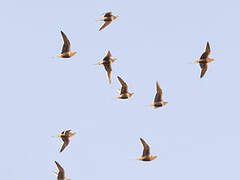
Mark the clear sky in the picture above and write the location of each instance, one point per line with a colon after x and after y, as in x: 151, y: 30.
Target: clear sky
x: 196, y: 135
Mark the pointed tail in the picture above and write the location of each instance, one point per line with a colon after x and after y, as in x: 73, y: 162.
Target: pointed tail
x: 103, y: 19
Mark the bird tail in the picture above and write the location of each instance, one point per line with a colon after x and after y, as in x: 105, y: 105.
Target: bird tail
x: 141, y: 158
x: 103, y: 19
x: 197, y: 61
x: 99, y: 63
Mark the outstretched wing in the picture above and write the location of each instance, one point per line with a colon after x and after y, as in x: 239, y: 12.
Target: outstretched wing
x: 124, y: 88
x: 108, y: 14
x: 65, y: 142
x: 158, y: 96
x: 66, y: 45
x: 146, y: 148
x: 207, y: 52
x: 108, y: 68
x: 204, y: 67
x: 61, y: 174
x: 104, y: 25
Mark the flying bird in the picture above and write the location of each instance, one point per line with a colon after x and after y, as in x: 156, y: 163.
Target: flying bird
x: 65, y: 135
x: 204, y: 60
x: 107, y: 61
x: 124, y: 94
x: 158, y: 102
x: 66, y: 49
x: 108, y: 18
x: 146, y: 156
x: 60, y: 174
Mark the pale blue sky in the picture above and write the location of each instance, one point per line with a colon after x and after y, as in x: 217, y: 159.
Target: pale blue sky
x: 196, y: 136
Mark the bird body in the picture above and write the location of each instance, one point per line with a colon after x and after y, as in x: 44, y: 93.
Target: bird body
x: 65, y: 135
x: 106, y: 62
x: 124, y: 94
x: 204, y: 60
x: 108, y: 18
x: 60, y: 174
x: 158, y: 102
x: 146, y: 156
x: 66, y: 49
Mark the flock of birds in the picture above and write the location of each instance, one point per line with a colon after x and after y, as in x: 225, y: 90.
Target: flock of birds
x: 124, y: 94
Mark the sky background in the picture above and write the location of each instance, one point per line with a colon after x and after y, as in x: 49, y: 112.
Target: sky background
x: 196, y: 135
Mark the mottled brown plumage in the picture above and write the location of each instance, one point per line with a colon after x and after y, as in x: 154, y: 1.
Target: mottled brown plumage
x: 108, y: 18
x: 146, y: 156
x: 107, y: 61
x: 124, y: 94
x: 204, y: 60
x: 158, y: 102
x: 65, y: 135
x: 66, y: 49
x: 60, y: 174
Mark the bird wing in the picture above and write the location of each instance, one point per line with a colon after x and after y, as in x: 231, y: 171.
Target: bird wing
x: 108, y: 68
x: 104, y: 25
x: 67, y: 132
x: 66, y: 45
x: 109, y: 54
x: 146, y: 148
x: 124, y: 88
x: 207, y: 52
x: 61, y: 173
x: 158, y: 96
x: 108, y: 14
x: 65, y: 142
x: 204, y: 67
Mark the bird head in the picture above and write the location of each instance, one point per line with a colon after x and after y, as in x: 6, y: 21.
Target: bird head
x: 115, y: 17
x: 164, y: 103
x: 210, y: 60
x: 130, y: 94
x: 73, y: 53
x: 153, y: 157
x: 113, y: 59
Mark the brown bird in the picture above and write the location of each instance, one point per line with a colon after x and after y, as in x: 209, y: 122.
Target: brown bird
x: 60, y: 174
x: 108, y: 18
x: 204, y: 60
x: 158, y: 102
x: 124, y: 94
x: 146, y: 156
x: 65, y: 135
x: 66, y: 50
x: 107, y: 61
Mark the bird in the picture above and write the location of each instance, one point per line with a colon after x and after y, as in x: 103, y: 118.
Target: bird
x: 65, y: 135
x: 124, y: 94
x: 66, y: 49
x: 107, y: 61
x: 108, y: 18
x: 146, y: 156
x: 158, y: 102
x: 204, y: 60
x: 60, y: 174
